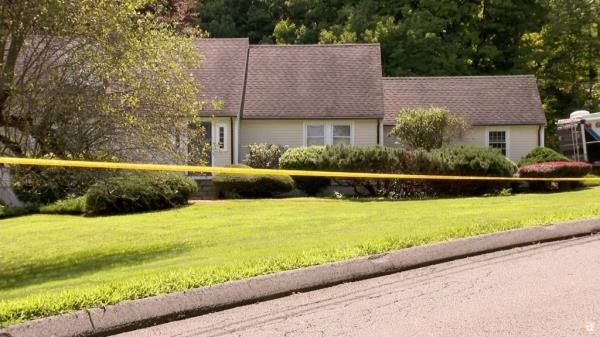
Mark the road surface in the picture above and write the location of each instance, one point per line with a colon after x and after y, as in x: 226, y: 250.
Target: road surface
x: 551, y: 289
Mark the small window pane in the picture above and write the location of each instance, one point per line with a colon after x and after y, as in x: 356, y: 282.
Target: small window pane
x: 221, y: 137
x: 315, y: 131
x: 315, y: 141
x: 341, y: 141
x: 341, y: 131
x: 497, y: 140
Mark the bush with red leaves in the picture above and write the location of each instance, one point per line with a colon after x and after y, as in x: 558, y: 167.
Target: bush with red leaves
x: 555, y: 169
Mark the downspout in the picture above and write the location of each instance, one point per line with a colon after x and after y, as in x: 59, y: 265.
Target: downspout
x: 240, y: 115
x: 378, y: 135
x: 380, y: 132
x: 236, y: 141
x: 541, y: 136
x: 232, y: 135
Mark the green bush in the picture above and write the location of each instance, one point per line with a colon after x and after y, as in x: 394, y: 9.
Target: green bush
x: 369, y: 159
x: 10, y: 212
x: 43, y: 185
x: 541, y: 155
x: 427, y: 128
x: 65, y: 206
x: 461, y: 160
x: 251, y: 186
x: 306, y: 159
x: 264, y: 155
x: 469, y: 160
x: 139, y: 192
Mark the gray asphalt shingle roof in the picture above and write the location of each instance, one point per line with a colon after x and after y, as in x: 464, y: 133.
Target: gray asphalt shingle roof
x: 314, y: 81
x: 481, y: 100
x: 221, y: 74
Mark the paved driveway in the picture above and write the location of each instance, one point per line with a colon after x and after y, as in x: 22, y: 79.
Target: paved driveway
x: 551, y: 289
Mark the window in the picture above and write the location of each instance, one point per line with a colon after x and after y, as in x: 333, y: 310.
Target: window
x: 341, y: 135
x: 328, y: 133
x: 497, y: 140
x: 220, y: 140
x: 315, y: 135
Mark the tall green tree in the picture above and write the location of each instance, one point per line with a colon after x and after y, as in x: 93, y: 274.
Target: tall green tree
x: 565, y: 55
x: 91, y: 79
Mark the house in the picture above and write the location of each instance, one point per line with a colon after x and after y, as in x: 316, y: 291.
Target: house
x: 300, y: 95
x: 504, y: 112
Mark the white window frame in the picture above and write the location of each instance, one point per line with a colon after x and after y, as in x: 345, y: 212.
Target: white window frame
x: 328, y: 130
x: 307, y: 124
x: 216, y: 144
x: 351, y: 125
x: 499, y: 129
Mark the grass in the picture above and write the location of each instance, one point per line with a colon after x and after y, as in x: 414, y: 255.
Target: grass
x: 51, y: 264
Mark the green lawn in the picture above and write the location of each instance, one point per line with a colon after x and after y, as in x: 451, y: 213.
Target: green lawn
x: 51, y: 264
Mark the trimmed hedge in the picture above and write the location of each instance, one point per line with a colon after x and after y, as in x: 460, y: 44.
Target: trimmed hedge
x: 305, y: 158
x: 542, y: 155
x: 468, y: 160
x: 555, y: 169
x: 251, y: 186
x: 461, y: 160
x: 43, y: 185
x: 264, y: 155
x: 139, y: 192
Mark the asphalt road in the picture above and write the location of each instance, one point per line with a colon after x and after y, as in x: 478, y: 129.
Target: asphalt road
x: 551, y: 289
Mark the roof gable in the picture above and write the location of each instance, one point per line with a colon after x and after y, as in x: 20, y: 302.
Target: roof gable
x: 221, y: 74
x: 480, y: 100
x: 313, y: 81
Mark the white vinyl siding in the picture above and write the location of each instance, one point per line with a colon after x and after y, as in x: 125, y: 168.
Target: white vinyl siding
x: 291, y: 133
x: 521, y: 138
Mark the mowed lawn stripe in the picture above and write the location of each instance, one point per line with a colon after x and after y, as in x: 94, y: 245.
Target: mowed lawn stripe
x: 51, y: 264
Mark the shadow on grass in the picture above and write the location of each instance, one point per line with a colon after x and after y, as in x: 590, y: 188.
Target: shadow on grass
x: 68, y: 266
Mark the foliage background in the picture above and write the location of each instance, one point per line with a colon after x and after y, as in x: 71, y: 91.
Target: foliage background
x: 557, y: 40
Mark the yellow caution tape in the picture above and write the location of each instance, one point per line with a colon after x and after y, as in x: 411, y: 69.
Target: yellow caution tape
x: 250, y: 171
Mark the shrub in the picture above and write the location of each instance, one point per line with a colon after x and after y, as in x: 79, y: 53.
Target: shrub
x: 65, y: 206
x: 10, y: 212
x: 251, y: 186
x: 370, y: 159
x: 43, y: 185
x: 427, y: 129
x: 139, y: 192
x: 542, y: 155
x: 305, y: 158
x: 556, y: 169
x: 264, y: 155
x: 469, y: 160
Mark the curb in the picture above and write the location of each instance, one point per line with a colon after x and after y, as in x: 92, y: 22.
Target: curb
x: 131, y: 315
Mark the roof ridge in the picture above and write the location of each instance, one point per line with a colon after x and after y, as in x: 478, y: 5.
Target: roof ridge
x: 212, y: 39
x: 452, y: 77
x: 311, y: 45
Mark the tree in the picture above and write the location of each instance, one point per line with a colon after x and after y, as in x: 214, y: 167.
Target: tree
x: 565, y: 57
x: 427, y: 128
x: 88, y: 79
x: 91, y: 71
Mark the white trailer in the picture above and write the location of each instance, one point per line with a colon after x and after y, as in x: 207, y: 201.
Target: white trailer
x: 579, y: 136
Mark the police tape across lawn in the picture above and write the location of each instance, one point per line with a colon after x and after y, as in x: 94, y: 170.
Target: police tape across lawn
x: 253, y: 171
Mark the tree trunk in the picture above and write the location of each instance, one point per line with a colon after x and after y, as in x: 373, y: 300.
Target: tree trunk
x: 7, y: 195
